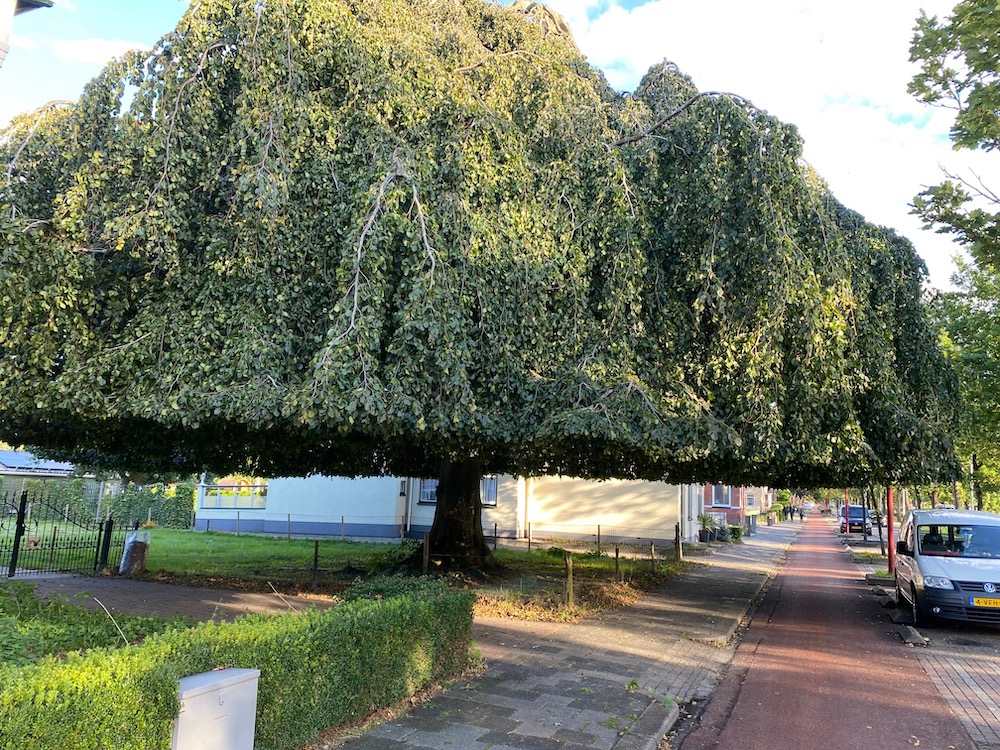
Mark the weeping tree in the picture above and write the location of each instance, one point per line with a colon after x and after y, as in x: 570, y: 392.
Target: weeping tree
x: 426, y: 238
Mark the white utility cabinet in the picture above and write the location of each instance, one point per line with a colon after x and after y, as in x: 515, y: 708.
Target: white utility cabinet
x: 218, y: 710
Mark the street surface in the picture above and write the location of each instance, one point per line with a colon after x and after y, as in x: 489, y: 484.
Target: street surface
x: 821, y: 665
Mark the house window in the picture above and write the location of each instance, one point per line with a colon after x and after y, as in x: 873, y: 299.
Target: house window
x: 751, y: 498
x: 721, y: 494
x: 428, y: 492
x: 487, y: 492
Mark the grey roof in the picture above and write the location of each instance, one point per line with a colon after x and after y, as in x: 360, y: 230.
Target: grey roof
x: 23, y: 6
x: 21, y: 463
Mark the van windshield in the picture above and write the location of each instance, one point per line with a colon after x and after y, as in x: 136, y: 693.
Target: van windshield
x: 959, y: 541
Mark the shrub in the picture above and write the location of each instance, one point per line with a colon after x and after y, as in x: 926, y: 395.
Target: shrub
x: 168, y: 506
x: 318, y: 670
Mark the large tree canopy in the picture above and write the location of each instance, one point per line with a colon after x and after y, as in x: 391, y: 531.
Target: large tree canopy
x: 368, y: 236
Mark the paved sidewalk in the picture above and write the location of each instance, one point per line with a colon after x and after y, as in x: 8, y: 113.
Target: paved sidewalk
x: 610, y: 683
x: 968, y: 682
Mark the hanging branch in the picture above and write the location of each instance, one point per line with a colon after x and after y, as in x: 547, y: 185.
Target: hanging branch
x: 680, y: 110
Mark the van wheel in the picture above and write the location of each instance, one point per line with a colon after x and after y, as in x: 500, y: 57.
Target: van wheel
x: 918, y: 610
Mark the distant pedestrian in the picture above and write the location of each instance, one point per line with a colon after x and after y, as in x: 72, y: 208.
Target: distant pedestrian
x: 802, y: 513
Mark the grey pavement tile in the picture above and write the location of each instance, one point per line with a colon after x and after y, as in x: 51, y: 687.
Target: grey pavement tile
x: 572, y: 736
x: 497, y: 740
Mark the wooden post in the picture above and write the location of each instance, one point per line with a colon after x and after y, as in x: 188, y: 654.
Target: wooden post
x: 494, y: 537
x: 652, y: 556
x: 315, y: 571
x: 288, y: 528
x: 529, y: 536
x: 618, y: 576
x: 237, y: 523
x: 341, y: 528
x: 427, y: 552
x: 52, y: 545
x: 568, y: 557
x: 598, y: 540
x: 678, y: 545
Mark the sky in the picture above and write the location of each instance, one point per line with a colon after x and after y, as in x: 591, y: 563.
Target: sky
x: 837, y: 70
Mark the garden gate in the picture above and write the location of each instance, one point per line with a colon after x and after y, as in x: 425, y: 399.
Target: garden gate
x: 38, y: 537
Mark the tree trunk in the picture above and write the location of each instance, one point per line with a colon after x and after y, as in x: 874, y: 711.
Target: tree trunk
x: 457, y: 532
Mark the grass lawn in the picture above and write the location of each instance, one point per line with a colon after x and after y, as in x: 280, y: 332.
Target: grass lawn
x: 31, y: 628
x: 531, y: 586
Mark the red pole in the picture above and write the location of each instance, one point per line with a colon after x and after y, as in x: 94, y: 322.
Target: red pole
x: 891, y: 533
x: 847, y: 510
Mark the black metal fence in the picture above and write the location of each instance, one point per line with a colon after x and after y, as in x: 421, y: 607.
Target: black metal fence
x: 36, y: 536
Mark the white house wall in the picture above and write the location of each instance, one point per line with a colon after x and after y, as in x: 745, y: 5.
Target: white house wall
x: 618, y: 510
x: 319, y: 506
x: 389, y: 507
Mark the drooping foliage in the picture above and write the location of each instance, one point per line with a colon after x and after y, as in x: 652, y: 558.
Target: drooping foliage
x: 366, y: 236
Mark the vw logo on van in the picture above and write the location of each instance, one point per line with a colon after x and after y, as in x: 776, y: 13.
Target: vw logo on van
x: 990, y: 588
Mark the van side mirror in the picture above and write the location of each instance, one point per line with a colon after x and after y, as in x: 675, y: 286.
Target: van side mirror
x: 901, y: 548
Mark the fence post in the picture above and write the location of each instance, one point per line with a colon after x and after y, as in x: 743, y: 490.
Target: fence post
x: 102, y: 563
x: 618, y: 576
x: 341, y: 528
x: 99, y: 545
x: 237, y: 523
x: 315, y: 570
x: 678, y: 544
x: 494, y: 537
x: 288, y: 532
x: 568, y: 557
x: 427, y: 552
x: 19, y: 527
x: 598, y: 540
x: 529, y: 536
x: 52, y: 545
x: 652, y: 556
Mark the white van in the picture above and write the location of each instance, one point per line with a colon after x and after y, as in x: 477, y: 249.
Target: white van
x: 948, y: 565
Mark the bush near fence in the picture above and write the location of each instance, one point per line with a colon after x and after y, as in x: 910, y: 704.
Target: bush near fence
x: 164, y: 505
x: 319, y: 669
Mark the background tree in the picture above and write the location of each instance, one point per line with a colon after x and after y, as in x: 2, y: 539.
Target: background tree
x: 970, y: 329
x: 426, y: 238
x: 959, y: 60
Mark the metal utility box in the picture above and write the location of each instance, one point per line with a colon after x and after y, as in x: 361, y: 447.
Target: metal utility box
x: 218, y: 710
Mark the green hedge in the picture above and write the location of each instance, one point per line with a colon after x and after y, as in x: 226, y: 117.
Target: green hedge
x: 167, y: 506
x: 318, y: 670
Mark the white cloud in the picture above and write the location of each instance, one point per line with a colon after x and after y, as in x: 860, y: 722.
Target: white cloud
x: 93, y: 51
x: 23, y: 43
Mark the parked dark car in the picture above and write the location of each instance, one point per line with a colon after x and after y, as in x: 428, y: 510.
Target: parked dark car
x: 861, y: 520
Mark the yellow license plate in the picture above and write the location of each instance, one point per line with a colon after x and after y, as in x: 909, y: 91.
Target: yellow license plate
x: 982, y: 601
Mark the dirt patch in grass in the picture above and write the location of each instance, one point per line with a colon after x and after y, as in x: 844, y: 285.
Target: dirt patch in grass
x: 523, y: 595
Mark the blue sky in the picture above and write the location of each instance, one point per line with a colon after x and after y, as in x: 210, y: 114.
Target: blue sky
x: 838, y: 70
